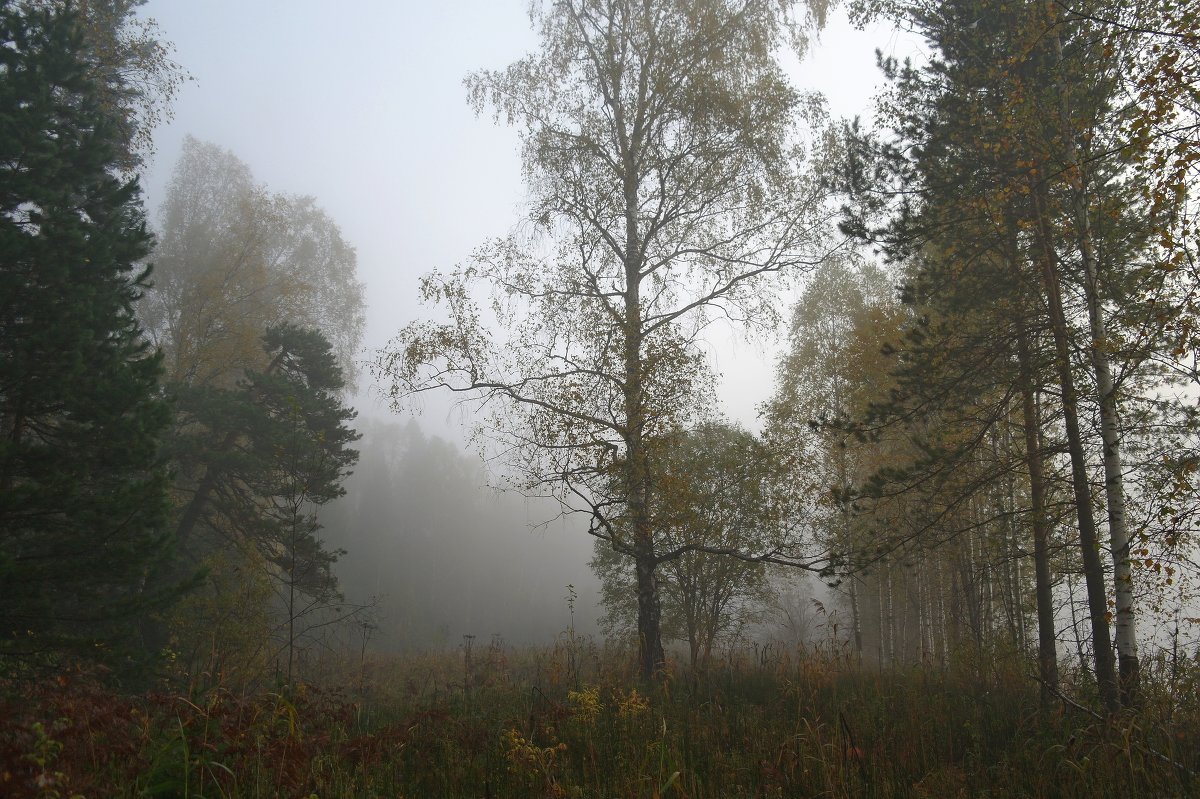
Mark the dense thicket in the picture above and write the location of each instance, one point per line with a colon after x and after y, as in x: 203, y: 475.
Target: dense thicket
x: 1035, y: 378
x: 260, y: 433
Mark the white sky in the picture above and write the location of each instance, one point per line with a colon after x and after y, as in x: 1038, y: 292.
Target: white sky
x: 360, y: 104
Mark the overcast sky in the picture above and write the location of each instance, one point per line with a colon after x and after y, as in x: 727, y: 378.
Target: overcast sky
x: 360, y: 104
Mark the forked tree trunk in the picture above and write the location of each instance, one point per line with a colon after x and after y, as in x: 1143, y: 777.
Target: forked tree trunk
x: 1093, y: 571
x: 1114, y: 491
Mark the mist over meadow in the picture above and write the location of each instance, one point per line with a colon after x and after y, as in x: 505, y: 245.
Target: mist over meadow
x: 441, y: 555
x: 666, y: 398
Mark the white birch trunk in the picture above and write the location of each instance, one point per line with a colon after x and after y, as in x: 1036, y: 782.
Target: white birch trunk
x: 1114, y: 492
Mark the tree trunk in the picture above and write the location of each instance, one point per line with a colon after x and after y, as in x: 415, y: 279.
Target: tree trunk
x: 856, y: 620
x: 291, y: 647
x: 881, y: 650
x: 891, y: 620
x: 1079, y: 649
x: 923, y: 613
x: 1013, y: 598
x: 940, y: 642
x: 843, y: 476
x: 651, y: 657
x: 1047, y: 640
x: 1093, y: 571
x: 1118, y: 533
x: 1032, y: 425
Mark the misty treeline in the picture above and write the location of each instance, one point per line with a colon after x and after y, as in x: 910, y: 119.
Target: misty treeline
x: 983, y: 435
x: 982, y: 438
x: 439, y: 555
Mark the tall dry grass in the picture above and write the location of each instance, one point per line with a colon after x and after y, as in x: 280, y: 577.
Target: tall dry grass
x: 573, y: 721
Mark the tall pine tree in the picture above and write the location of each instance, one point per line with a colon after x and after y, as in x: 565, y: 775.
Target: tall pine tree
x: 257, y: 462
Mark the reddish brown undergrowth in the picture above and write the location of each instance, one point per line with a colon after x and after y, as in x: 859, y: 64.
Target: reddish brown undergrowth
x: 70, y: 736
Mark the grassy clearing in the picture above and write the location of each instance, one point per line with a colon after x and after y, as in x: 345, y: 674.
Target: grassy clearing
x: 572, y: 721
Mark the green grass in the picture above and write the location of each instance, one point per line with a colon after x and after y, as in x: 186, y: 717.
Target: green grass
x: 573, y: 721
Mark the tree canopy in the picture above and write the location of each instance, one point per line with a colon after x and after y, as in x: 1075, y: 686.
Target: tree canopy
x: 663, y: 150
x: 82, y: 482
x: 234, y: 259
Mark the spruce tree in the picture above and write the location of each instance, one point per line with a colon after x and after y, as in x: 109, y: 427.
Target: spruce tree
x: 82, y: 488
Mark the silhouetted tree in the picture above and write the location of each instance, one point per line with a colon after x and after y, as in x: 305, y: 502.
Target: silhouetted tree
x: 82, y: 485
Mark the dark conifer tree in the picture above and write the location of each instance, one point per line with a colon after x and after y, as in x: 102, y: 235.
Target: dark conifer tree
x: 262, y: 458
x: 82, y: 487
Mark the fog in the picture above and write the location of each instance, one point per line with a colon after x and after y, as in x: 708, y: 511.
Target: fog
x: 399, y: 401
x: 441, y: 554
x: 364, y: 110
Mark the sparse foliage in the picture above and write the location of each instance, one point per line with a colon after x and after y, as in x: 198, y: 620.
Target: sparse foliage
x: 663, y: 154
x: 718, y: 489
x: 127, y: 57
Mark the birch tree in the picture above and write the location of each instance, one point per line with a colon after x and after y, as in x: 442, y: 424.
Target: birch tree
x: 662, y: 152
x: 825, y: 377
x: 235, y: 259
